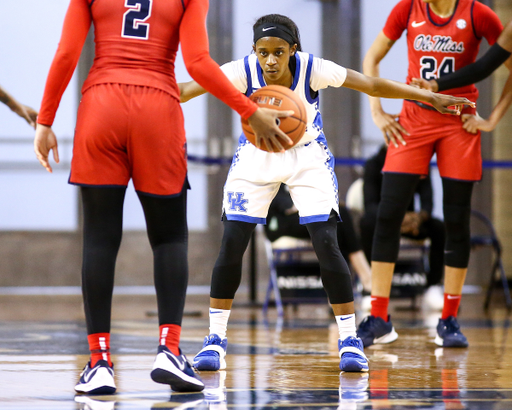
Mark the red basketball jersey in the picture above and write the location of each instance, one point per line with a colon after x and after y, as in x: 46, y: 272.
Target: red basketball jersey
x: 136, y: 43
x: 438, y: 46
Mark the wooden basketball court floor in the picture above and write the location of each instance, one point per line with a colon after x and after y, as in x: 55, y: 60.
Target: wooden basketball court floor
x: 291, y: 364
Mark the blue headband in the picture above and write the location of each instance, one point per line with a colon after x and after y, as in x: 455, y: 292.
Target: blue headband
x: 273, y: 30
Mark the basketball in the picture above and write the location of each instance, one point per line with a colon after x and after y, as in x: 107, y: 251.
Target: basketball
x: 282, y: 99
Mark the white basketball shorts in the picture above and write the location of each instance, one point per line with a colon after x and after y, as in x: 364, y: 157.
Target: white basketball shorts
x: 255, y: 176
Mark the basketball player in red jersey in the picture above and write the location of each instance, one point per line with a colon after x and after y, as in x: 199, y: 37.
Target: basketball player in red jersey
x: 130, y: 125
x: 497, y: 55
x: 442, y: 36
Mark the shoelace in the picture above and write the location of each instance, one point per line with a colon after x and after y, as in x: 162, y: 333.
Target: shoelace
x: 352, y: 341
x: 212, y: 340
x: 451, y: 325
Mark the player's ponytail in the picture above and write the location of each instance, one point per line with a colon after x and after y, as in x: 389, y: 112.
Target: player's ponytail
x: 290, y: 29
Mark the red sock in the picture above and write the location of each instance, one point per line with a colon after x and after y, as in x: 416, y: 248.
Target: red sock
x: 99, y: 345
x: 170, y: 337
x: 451, y: 305
x: 380, y: 307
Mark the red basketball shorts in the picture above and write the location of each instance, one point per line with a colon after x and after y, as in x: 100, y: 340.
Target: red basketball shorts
x: 458, y: 152
x: 128, y: 131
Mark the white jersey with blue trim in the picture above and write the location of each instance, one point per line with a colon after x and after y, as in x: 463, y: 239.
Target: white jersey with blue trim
x: 311, y: 74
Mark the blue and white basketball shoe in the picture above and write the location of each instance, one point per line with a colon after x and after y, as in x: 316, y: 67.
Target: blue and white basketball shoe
x: 374, y: 330
x: 352, y: 357
x: 213, y: 354
x: 97, y: 380
x: 449, y: 334
x: 175, y: 371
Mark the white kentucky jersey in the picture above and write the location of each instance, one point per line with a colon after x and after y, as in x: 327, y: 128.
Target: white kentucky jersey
x: 311, y: 74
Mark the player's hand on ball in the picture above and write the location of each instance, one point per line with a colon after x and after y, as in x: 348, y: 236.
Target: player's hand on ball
x: 264, y: 123
x: 442, y: 103
x: 424, y: 84
x: 44, y: 141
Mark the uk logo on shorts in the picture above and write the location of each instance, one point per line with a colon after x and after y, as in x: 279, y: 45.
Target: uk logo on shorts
x: 236, y: 201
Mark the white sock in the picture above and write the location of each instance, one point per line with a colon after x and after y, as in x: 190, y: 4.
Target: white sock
x: 346, y: 325
x: 219, y: 322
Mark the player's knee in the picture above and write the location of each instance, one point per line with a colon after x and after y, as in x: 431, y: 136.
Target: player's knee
x: 325, y: 242
x: 234, y: 242
x: 456, y: 219
x: 225, y: 281
x: 458, y: 235
x: 390, y: 215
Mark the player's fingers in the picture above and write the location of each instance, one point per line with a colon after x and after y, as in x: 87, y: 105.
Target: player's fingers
x: 277, y: 145
x: 453, y: 111
x: 392, y: 140
x: 257, y: 141
x: 43, y: 160
x: 386, y: 138
x: 56, y: 154
x: 401, y: 129
x: 288, y: 113
x: 399, y: 137
x: 281, y: 134
x: 470, y: 127
x: 465, y: 117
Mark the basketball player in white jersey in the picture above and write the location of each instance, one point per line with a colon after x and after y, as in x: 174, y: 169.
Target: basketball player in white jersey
x: 307, y: 169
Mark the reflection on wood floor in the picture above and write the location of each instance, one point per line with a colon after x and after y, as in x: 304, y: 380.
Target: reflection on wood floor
x: 291, y: 364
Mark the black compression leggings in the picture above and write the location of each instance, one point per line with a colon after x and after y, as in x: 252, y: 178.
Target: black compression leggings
x: 227, y: 273
x: 168, y: 235
x: 397, y: 192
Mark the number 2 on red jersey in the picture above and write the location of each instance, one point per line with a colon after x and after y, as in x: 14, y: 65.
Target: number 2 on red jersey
x: 133, y: 20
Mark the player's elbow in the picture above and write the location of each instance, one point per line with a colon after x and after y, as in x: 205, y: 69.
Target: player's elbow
x: 195, y: 64
x: 370, y: 64
x: 374, y: 87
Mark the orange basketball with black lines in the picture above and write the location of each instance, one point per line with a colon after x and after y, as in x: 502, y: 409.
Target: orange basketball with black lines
x: 283, y: 99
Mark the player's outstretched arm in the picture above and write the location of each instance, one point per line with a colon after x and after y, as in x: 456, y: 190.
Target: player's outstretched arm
x: 24, y: 111
x: 381, y: 87
x: 44, y: 142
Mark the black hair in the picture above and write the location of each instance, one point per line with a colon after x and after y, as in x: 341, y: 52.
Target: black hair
x: 283, y: 21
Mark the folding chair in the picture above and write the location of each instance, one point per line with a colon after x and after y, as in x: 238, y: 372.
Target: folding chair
x: 491, y: 239
x: 294, y: 273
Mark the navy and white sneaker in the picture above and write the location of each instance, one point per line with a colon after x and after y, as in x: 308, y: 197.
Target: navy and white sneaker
x: 449, y: 334
x: 352, y: 357
x: 374, y: 330
x: 175, y: 371
x: 97, y: 380
x: 213, y: 354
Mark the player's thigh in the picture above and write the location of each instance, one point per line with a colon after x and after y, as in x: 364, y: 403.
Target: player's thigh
x: 157, y: 143
x: 412, y: 158
x: 459, y: 155
x: 99, y: 147
x: 246, y: 200
x: 313, y: 185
